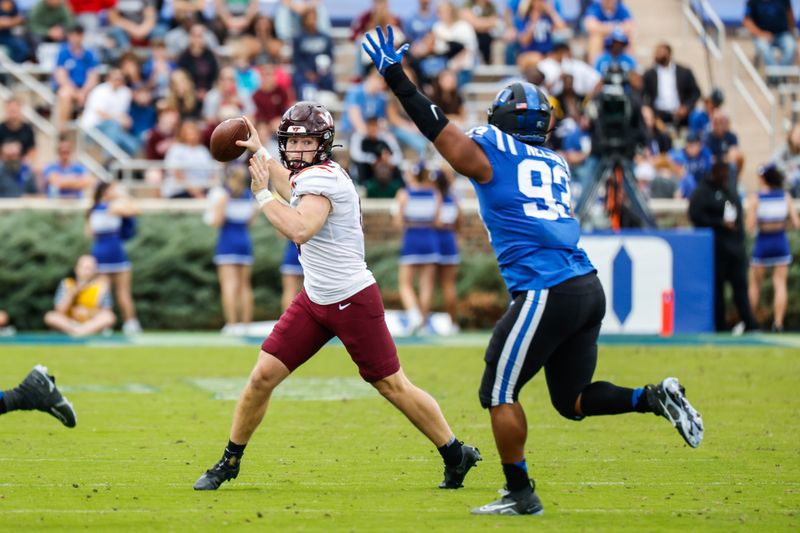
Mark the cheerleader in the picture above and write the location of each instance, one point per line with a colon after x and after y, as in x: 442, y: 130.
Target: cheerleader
x: 109, y: 222
x: 769, y: 212
x: 417, y: 210
x: 233, y: 210
x: 447, y: 240
x: 291, y: 275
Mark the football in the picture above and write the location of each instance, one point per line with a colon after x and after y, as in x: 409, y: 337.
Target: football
x: 224, y: 137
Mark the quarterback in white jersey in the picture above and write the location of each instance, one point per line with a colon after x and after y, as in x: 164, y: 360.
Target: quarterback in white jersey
x: 340, y: 297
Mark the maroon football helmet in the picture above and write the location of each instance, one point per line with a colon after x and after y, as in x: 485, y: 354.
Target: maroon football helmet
x: 306, y: 119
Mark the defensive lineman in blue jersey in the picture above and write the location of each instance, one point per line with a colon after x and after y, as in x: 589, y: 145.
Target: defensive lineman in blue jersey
x: 557, y: 301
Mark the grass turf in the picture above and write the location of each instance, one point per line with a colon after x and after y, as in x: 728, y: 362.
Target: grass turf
x: 358, y: 465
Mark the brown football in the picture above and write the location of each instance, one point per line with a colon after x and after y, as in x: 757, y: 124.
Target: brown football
x: 224, y: 137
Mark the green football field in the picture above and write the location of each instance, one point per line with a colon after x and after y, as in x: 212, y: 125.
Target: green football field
x: 333, y: 456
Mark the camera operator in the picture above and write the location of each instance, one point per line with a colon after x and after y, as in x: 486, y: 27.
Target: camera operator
x: 618, y: 132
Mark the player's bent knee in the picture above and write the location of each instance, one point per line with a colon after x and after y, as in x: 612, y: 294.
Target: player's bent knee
x: 268, y: 372
x: 391, y: 386
x: 566, y: 408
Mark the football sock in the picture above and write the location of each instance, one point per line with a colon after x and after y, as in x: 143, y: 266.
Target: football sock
x: 604, y: 398
x: 234, y: 450
x: 3, y: 408
x: 516, y: 475
x: 13, y: 400
x: 639, y: 400
x: 452, y: 452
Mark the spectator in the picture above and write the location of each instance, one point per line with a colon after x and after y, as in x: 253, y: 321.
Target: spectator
x: 378, y: 15
x: 111, y: 212
x: 771, y: 22
x: 247, y: 77
x: 265, y: 46
x: 445, y: 94
x: 232, y: 212
x: 482, y: 16
x: 16, y: 178
x: 670, y: 90
x: 271, y: 100
x: 601, y: 18
x: 10, y: 19
x: 177, y: 39
x: 700, y: 119
x: 49, y: 21
x: 559, y: 64
x: 418, y: 208
x: 233, y: 17
x: 82, y: 302
x: 225, y: 100
x: 313, y: 59
x: 142, y: 112
x: 770, y: 212
x: 715, y: 205
x: 14, y: 128
x: 107, y: 110
x: 66, y: 177
x: 163, y: 134
x: 375, y: 153
x: 289, y: 12
x: 367, y: 99
x: 420, y: 23
x: 190, y: 168
x: 199, y: 62
x: 131, y: 22
x: 695, y: 161
x: 575, y: 148
x: 158, y: 68
x: 291, y: 275
x: 182, y: 96
x: 75, y: 75
x: 454, y: 40
x: 535, y: 32
x: 787, y: 159
x: 616, y: 43
x: 131, y: 69
x: 89, y: 14
x: 723, y: 143
x: 6, y: 330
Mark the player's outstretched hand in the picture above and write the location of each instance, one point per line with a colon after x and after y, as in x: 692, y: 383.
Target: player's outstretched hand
x: 259, y: 174
x: 383, y: 53
x: 253, y: 143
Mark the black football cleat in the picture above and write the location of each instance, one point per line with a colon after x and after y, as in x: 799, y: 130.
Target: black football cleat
x: 39, y: 391
x: 511, y: 503
x: 223, y: 471
x: 454, y: 475
x: 668, y: 399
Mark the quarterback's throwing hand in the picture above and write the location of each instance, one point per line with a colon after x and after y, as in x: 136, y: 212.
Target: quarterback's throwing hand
x: 383, y: 53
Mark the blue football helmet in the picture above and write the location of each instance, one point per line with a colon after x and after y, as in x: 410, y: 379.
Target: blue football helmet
x: 523, y: 111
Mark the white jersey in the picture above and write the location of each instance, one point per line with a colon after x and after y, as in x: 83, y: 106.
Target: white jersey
x: 333, y: 259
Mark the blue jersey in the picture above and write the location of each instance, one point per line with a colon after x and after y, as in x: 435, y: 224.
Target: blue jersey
x: 527, y: 211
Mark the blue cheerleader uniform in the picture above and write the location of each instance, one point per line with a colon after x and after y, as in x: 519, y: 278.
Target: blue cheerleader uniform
x: 446, y: 236
x: 291, y: 261
x: 420, y: 242
x: 772, y: 248
x: 107, y: 248
x: 233, y: 245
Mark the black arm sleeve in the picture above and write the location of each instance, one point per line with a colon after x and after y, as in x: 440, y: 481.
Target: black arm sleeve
x: 428, y: 117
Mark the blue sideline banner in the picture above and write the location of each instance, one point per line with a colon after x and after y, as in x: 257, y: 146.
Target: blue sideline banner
x: 637, y: 267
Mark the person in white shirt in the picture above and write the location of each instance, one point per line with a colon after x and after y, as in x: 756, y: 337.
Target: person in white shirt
x: 107, y: 108
x: 190, y: 168
x: 339, y: 298
x: 670, y: 90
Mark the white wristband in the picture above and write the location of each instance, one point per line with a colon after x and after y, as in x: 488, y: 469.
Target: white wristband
x: 263, y: 197
x: 263, y: 153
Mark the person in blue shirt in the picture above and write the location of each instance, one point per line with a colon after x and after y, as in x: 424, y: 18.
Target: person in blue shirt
x: 695, y: 160
x: 11, y: 18
x: 615, y: 54
x: 600, y: 19
x: 75, y: 76
x: 535, y: 31
x: 723, y: 143
x: 772, y: 24
x: 66, y: 177
x: 419, y: 24
x: 700, y: 118
x: 313, y: 58
x: 367, y: 99
x: 557, y: 301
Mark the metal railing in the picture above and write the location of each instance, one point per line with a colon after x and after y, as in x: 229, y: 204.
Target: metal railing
x: 696, y: 13
x: 742, y: 62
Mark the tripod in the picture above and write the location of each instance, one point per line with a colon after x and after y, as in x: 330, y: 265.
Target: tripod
x: 625, y: 205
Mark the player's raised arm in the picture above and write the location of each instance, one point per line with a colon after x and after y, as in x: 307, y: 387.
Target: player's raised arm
x: 460, y: 151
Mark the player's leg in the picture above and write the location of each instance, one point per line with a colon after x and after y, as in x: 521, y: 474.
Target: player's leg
x: 754, y: 287
x: 361, y: 326
x: 780, y: 276
x: 245, y: 293
x: 296, y: 337
x: 227, y: 286
x: 38, y: 391
x: 427, y: 280
x: 60, y: 322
